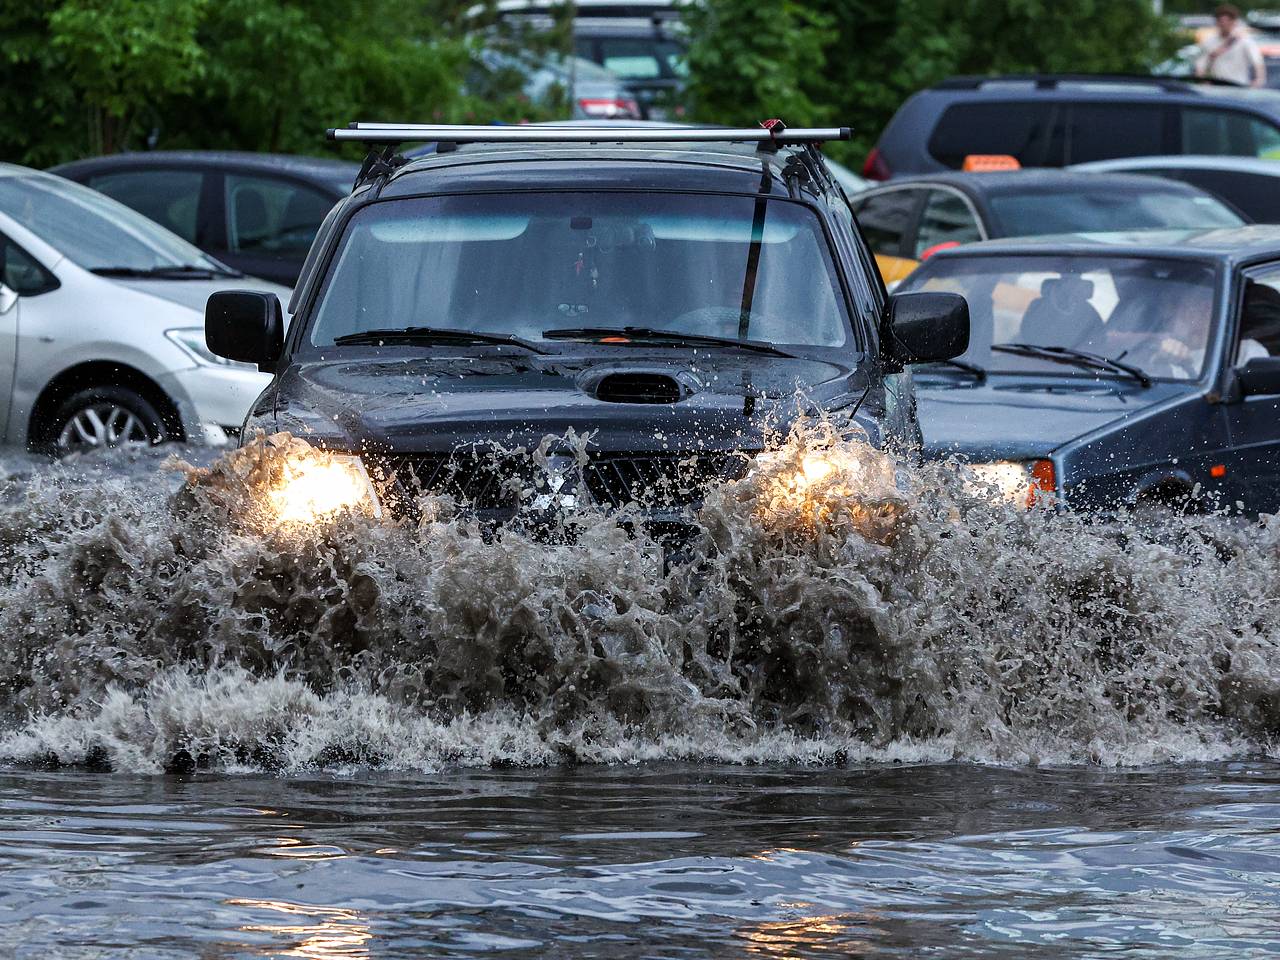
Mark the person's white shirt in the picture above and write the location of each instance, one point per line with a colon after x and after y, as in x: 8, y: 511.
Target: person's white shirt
x: 1235, y: 58
x: 1250, y: 349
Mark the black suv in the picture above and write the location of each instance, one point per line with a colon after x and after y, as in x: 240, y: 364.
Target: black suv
x: 661, y: 298
x: 1057, y: 120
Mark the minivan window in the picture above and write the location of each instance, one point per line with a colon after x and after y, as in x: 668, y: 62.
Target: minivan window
x: 169, y: 197
x: 1228, y: 133
x: 1105, y: 131
x: 1029, y: 131
x: 722, y: 266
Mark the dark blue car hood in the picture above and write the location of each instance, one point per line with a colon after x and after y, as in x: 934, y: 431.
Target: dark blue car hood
x: 1018, y: 417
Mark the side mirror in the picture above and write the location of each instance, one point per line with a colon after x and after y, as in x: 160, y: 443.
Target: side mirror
x: 8, y: 297
x: 245, y: 325
x: 1260, y: 376
x: 920, y: 327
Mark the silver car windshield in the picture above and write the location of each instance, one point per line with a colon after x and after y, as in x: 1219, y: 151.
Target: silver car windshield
x: 1156, y: 315
x: 529, y: 264
x: 93, y: 230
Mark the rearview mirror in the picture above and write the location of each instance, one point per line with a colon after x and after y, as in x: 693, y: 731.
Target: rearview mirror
x: 245, y: 325
x: 921, y: 327
x: 1260, y: 376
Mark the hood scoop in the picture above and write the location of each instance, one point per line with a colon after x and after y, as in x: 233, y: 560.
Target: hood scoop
x: 639, y: 386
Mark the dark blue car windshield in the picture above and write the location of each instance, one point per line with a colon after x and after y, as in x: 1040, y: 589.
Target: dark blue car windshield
x: 528, y: 263
x: 1157, y: 315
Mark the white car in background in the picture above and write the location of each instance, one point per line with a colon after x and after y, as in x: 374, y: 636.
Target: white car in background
x: 102, y: 325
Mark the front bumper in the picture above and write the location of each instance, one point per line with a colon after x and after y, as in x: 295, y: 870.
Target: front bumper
x: 214, y: 401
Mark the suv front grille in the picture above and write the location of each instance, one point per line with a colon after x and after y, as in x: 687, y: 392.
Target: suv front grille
x: 659, y: 479
x: 492, y: 483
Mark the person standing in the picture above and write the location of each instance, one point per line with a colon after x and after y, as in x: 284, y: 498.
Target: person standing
x: 1232, y: 55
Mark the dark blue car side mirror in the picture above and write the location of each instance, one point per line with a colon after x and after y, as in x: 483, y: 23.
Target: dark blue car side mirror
x: 245, y: 325
x: 1259, y: 377
x: 922, y: 327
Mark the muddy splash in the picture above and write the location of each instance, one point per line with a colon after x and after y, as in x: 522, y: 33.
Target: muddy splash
x: 849, y: 609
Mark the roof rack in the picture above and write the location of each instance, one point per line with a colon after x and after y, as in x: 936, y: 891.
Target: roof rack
x: 393, y: 133
x: 1048, y: 81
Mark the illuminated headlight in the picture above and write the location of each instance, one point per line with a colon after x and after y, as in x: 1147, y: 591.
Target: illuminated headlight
x: 319, y: 486
x: 1021, y: 482
x: 191, y: 340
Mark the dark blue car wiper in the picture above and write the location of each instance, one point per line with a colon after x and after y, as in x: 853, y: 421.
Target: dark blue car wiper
x: 1081, y: 358
x: 653, y: 335
x: 434, y: 335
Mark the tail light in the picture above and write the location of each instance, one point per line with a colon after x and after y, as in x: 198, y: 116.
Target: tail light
x: 610, y: 108
x: 875, y: 168
x: 1044, y: 483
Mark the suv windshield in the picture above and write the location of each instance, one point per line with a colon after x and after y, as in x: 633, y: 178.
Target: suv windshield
x: 529, y: 264
x: 1153, y: 315
x: 93, y: 230
x: 1095, y: 210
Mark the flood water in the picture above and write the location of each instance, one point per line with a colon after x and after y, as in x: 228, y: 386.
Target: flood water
x: 961, y: 731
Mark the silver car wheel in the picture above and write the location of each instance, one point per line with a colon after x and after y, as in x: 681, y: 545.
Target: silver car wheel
x: 102, y: 424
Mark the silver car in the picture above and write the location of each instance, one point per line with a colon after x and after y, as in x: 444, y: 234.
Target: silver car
x: 102, y: 325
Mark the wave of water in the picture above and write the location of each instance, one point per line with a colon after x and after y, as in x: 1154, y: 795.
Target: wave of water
x: 881, y: 613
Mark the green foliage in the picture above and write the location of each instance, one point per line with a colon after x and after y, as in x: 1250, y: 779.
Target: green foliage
x: 79, y: 77
x: 860, y: 59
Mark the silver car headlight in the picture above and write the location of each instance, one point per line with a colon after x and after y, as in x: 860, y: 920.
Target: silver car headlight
x: 191, y: 340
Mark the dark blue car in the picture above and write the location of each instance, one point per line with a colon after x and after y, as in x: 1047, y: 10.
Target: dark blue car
x: 1115, y: 370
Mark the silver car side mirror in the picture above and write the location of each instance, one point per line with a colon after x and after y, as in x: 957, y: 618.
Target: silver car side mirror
x: 8, y: 299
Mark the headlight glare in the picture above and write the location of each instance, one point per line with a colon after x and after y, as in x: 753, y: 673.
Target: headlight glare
x: 320, y: 486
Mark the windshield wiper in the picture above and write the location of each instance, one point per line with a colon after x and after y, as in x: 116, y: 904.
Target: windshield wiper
x: 651, y: 334
x: 977, y: 371
x: 1080, y: 358
x: 434, y: 335
x: 177, y: 271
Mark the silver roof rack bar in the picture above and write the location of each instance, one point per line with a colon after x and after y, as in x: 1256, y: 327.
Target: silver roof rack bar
x: 529, y: 133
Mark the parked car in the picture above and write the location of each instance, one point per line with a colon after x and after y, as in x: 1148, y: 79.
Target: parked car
x: 640, y: 43
x: 102, y: 326
x: 1059, y: 120
x: 908, y: 219
x: 1250, y: 186
x: 661, y: 299
x: 257, y: 212
x: 586, y: 90
x: 1139, y: 370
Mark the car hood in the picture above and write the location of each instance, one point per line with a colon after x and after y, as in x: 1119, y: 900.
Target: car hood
x: 1011, y: 417
x: 194, y: 294
x: 418, y: 404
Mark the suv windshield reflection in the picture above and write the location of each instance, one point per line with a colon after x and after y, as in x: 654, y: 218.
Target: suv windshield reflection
x: 1153, y: 315
x: 530, y: 264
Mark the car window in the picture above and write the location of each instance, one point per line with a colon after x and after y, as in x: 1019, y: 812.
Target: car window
x: 1155, y: 314
x: 21, y: 273
x: 169, y: 197
x: 641, y: 59
x: 90, y: 228
x: 1105, y: 131
x: 1260, y: 319
x: 272, y: 217
x: 725, y: 266
x: 1256, y: 195
x: 1031, y: 132
x: 1108, y: 209
x: 1228, y: 133
x: 885, y: 217
x: 946, y: 219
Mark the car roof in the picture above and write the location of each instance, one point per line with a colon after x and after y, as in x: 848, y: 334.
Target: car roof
x: 1100, y: 86
x: 714, y: 166
x: 1038, y: 180
x: 1270, y: 168
x: 324, y: 169
x: 1230, y: 244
